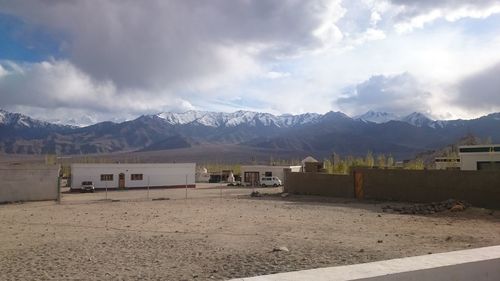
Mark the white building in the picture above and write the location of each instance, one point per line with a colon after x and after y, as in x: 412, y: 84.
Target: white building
x: 253, y: 173
x: 134, y: 175
x: 479, y: 157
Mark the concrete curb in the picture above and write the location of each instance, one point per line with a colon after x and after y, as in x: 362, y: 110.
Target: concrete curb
x: 473, y: 264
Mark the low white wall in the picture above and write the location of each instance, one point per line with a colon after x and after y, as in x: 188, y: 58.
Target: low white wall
x: 481, y: 264
x: 28, y: 182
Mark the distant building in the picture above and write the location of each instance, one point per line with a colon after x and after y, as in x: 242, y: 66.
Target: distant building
x: 447, y: 163
x: 202, y: 175
x: 125, y: 176
x: 309, y: 164
x: 251, y: 174
x: 308, y: 159
x: 479, y: 157
x: 222, y: 176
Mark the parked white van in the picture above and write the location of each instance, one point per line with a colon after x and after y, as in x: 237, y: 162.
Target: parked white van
x: 270, y: 181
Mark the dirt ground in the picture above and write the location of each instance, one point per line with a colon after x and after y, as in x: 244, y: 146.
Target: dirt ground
x: 209, y: 237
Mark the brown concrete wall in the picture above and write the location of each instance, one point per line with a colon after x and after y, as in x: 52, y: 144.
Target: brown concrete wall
x: 28, y: 182
x: 320, y: 184
x: 480, y: 188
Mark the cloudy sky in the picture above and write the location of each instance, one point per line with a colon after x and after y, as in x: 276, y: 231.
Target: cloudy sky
x: 117, y: 59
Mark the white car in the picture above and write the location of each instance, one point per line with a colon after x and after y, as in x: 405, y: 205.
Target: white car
x: 270, y: 181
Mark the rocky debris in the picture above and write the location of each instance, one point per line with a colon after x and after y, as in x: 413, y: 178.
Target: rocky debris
x: 160, y: 198
x: 430, y: 208
x: 281, y: 249
x: 458, y: 208
x: 255, y: 194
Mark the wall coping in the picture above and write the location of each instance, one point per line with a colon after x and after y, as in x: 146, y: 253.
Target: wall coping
x: 414, y: 266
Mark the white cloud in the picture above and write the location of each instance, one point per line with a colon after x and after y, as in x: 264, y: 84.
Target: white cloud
x: 371, y: 34
x: 418, y: 21
x: 2, y: 71
x: 375, y: 18
x: 400, y: 94
x: 480, y: 91
x: 159, y: 44
x: 149, y: 54
x: 277, y: 75
x: 59, y: 85
x: 328, y: 31
x: 415, y: 14
x: 136, y: 57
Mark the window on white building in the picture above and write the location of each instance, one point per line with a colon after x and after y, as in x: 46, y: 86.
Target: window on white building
x: 136, y: 177
x: 107, y: 177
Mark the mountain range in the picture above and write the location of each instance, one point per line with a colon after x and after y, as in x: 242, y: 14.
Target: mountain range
x: 311, y: 133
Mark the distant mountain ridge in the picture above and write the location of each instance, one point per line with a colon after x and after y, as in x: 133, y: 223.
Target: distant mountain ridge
x: 416, y: 118
x: 223, y: 119
x: 377, y: 117
x: 309, y: 133
x: 220, y: 119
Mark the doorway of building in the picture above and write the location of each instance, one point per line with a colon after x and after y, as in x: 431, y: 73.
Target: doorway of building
x: 252, y: 178
x: 121, y: 181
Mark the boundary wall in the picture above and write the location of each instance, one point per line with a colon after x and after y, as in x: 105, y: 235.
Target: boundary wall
x: 28, y: 183
x: 320, y: 184
x: 480, y: 188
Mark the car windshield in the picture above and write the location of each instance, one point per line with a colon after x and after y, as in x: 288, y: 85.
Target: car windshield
x: 86, y: 183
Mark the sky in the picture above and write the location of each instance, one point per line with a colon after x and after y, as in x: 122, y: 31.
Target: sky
x: 93, y: 60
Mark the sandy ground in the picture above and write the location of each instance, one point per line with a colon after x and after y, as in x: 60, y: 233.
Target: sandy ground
x: 209, y: 237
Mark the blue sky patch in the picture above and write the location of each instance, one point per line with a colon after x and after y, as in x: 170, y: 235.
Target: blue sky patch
x: 21, y: 42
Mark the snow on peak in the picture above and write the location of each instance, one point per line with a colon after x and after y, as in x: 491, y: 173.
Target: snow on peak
x: 377, y: 117
x: 76, y: 121
x: 181, y: 118
x: 417, y: 119
x: 289, y: 120
x: 2, y: 116
x: 20, y: 120
x: 220, y: 119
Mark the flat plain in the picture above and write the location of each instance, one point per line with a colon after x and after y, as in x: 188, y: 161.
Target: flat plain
x: 218, y: 234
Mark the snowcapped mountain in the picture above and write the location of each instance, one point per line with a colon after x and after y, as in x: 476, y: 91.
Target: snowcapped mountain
x: 251, y: 131
x: 76, y: 121
x: 377, y: 117
x: 418, y: 119
x: 293, y: 120
x: 19, y: 121
x: 494, y: 116
x: 221, y: 119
